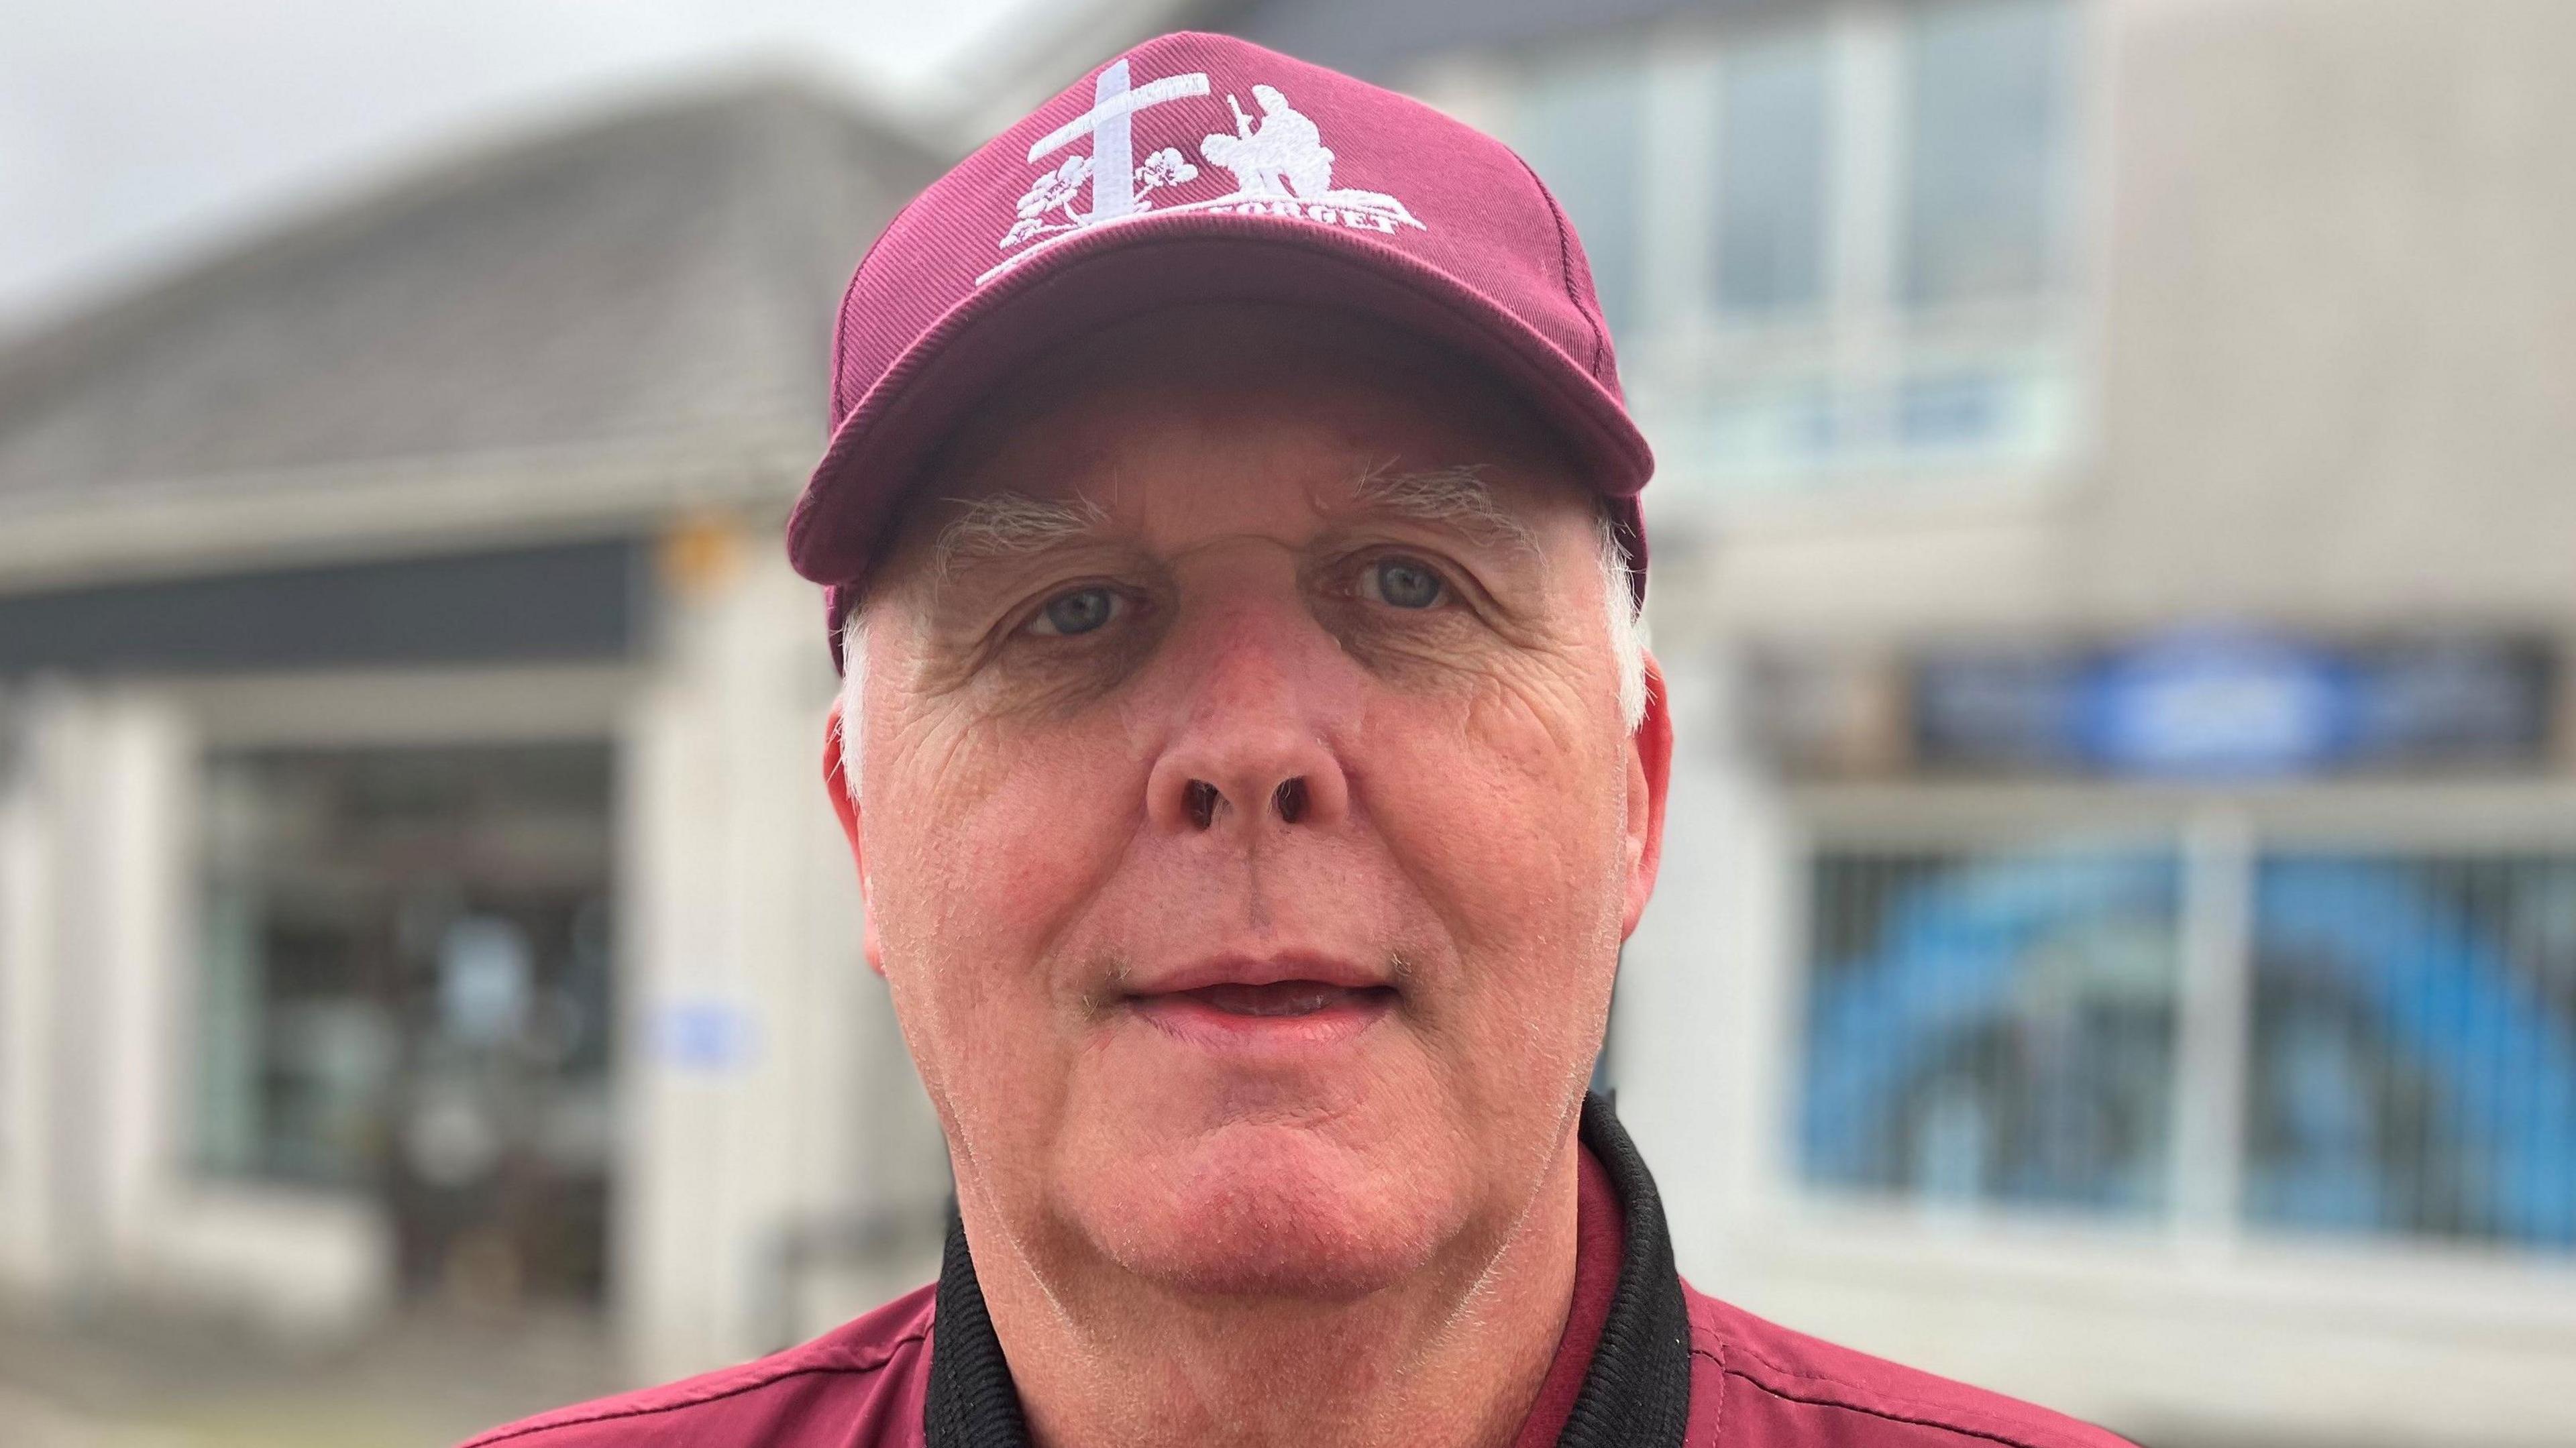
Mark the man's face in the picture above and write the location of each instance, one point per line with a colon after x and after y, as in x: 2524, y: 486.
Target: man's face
x: 1249, y: 825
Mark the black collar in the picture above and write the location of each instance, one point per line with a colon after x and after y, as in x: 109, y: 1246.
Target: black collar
x: 1637, y: 1394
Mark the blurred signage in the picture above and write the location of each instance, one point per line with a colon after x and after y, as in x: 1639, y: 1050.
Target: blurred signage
x: 706, y: 1035
x: 2228, y: 705
x: 2216, y: 705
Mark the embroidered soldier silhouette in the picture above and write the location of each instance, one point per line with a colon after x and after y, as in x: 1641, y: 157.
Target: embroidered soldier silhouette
x: 1280, y: 164
x: 1285, y: 155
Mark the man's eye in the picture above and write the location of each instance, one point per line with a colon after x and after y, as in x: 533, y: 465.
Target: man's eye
x: 1077, y: 611
x: 1403, y: 583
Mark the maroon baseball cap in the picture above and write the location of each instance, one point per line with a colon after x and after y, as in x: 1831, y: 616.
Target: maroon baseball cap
x: 1201, y: 168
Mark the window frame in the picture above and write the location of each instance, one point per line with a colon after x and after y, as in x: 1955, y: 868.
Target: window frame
x: 2221, y: 836
x: 1865, y: 343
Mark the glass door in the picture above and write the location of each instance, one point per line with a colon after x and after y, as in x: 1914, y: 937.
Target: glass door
x: 407, y: 992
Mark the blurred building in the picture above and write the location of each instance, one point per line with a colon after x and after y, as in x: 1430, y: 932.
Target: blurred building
x: 2117, y: 937
x: 415, y: 884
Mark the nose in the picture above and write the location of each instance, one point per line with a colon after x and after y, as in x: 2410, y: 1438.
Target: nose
x: 1248, y: 754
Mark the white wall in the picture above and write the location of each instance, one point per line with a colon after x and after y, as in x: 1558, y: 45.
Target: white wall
x: 768, y: 1093
x: 2339, y: 321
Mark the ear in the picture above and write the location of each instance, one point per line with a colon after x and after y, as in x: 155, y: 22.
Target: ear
x: 836, y: 782
x: 1650, y: 775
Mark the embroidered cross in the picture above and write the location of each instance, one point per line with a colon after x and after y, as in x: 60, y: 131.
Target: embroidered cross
x: 1113, y: 147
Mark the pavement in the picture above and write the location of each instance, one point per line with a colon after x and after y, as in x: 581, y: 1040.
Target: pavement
x: 129, y: 1379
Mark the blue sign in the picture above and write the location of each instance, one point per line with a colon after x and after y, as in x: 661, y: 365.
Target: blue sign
x: 2235, y: 704
x: 706, y: 1035
x: 2217, y: 704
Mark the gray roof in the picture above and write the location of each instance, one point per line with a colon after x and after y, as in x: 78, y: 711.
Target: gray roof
x: 661, y: 279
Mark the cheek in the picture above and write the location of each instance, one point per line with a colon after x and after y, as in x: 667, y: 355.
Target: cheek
x: 1502, y: 802
x: 983, y: 846
x: 1504, y: 819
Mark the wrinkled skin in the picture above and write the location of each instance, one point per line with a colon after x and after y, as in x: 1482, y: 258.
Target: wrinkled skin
x: 1054, y: 823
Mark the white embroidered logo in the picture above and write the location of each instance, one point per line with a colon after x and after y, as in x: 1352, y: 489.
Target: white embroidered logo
x: 1280, y: 166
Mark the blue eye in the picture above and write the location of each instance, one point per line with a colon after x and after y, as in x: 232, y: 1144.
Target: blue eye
x: 1076, y: 612
x: 1405, y: 583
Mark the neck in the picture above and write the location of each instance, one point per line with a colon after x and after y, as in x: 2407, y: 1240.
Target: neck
x: 1451, y: 1356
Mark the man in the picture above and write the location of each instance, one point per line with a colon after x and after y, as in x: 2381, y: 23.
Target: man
x: 1252, y: 769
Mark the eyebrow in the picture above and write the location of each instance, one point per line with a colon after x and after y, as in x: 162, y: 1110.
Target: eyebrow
x: 1008, y: 525
x: 1455, y: 497
x: 1012, y: 525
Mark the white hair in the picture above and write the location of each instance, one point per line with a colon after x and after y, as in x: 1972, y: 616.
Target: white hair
x: 1619, y: 598
x: 1015, y: 524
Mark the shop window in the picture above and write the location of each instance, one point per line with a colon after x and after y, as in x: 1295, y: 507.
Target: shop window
x: 2414, y: 1046
x: 1986, y: 108
x: 2384, y: 1043
x: 1834, y: 247
x: 406, y: 994
x: 1992, y: 1027
x: 1771, y: 167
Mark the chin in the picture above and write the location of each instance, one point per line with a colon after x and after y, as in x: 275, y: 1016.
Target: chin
x: 1277, y: 1208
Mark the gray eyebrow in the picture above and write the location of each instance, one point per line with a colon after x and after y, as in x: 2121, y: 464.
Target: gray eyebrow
x: 1457, y: 497
x: 1012, y: 525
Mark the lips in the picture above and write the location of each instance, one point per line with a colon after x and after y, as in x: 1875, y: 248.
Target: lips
x: 1282, y: 998
x: 1282, y: 1002
x: 1288, y: 968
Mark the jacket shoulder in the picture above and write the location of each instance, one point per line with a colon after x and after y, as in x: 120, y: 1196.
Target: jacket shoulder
x: 866, y: 1379
x: 1784, y: 1389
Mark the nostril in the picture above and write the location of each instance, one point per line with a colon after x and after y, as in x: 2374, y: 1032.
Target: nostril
x: 1290, y: 800
x: 1201, y: 798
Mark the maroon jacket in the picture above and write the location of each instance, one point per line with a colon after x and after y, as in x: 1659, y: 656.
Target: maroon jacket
x: 1645, y: 1361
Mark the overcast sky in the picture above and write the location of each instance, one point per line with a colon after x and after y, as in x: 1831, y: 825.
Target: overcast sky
x: 135, y: 131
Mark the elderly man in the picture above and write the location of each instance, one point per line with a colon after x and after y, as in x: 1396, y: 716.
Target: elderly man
x: 1252, y: 768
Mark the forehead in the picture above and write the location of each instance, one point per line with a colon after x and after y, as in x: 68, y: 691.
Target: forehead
x: 1191, y: 408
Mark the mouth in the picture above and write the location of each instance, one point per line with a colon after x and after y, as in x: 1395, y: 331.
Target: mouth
x: 1284, y: 999
x: 1240, y: 1005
